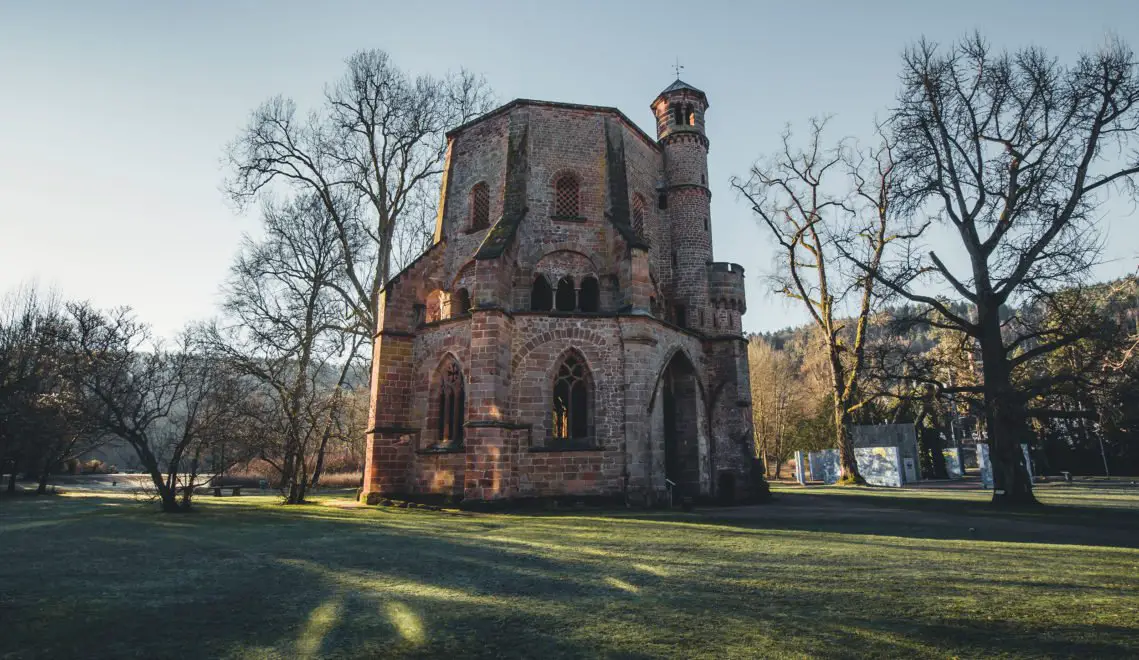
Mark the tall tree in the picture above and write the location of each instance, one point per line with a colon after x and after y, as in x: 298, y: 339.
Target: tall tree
x: 1014, y: 155
x: 818, y: 202
x: 282, y: 323
x: 372, y: 155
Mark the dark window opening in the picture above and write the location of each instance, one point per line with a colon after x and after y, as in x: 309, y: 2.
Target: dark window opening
x: 480, y: 206
x: 689, y: 116
x: 677, y: 114
x: 452, y: 404
x: 541, y: 295
x: 566, y: 196
x: 571, y: 401
x: 674, y: 258
x: 565, y: 300
x: 590, y: 295
x: 463, y: 301
x: 705, y: 223
x: 662, y: 201
x: 681, y: 316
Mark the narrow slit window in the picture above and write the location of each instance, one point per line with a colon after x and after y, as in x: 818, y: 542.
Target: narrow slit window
x: 480, y: 206
x: 639, y: 216
x: 452, y: 406
x: 571, y: 407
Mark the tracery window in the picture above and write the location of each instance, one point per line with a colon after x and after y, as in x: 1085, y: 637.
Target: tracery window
x: 452, y: 405
x: 571, y: 408
x: 566, y: 196
x: 480, y: 206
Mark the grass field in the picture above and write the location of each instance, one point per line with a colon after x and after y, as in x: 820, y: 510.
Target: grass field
x: 823, y: 572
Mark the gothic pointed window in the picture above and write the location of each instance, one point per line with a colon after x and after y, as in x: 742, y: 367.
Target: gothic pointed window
x: 639, y: 215
x: 452, y: 405
x: 480, y: 206
x: 566, y: 193
x: 541, y: 295
x: 571, y: 409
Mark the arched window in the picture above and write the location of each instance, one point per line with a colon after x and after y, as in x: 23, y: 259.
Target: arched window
x: 434, y: 307
x: 565, y: 300
x: 571, y: 401
x: 541, y: 295
x: 463, y: 302
x: 639, y: 215
x: 566, y: 196
x: 452, y: 405
x: 590, y: 298
x: 480, y: 206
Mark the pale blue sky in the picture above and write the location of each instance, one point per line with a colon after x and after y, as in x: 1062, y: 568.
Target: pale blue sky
x: 113, y: 115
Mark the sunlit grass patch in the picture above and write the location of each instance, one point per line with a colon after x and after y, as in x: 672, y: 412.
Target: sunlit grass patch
x: 248, y: 577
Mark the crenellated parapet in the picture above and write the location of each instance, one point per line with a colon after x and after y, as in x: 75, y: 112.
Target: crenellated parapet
x: 726, y: 295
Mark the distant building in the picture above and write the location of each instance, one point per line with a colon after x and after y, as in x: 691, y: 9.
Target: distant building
x: 568, y: 333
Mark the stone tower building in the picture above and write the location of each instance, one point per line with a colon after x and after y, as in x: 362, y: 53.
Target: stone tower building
x: 568, y: 333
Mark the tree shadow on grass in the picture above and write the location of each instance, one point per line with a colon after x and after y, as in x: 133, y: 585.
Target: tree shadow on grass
x: 921, y: 519
x: 244, y: 580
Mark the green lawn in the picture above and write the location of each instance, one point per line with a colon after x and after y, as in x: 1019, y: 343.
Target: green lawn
x: 823, y: 572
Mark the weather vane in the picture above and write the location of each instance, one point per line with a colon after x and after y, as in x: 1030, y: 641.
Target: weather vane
x: 678, y: 67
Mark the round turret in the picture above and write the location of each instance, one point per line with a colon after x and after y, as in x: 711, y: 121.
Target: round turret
x: 680, y: 111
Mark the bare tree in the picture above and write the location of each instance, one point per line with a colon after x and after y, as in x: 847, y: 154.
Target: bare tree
x: 815, y: 216
x: 168, y: 405
x: 776, y: 397
x: 41, y: 421
x: 1014, y: 154
x: 372, y: 155
x: 283, y: 328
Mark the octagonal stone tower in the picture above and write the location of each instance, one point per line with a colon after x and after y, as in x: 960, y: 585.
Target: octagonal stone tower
x: 568, y: 334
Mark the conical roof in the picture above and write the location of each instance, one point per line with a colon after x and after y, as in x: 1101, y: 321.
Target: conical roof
x: 679, y: 85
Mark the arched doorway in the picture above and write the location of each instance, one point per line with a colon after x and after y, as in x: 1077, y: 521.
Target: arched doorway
x: 680, y: 397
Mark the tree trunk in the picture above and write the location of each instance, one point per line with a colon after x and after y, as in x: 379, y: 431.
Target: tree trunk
x: 931, y: 446
x: 320, y: 457
x: 44, y: 474
x: 1005, y: 418
x: 845, y: 442
x: 12, y: 477
x: 166, y: 494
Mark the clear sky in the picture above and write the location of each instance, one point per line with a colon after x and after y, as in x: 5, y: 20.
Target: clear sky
x: 114, y: 115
